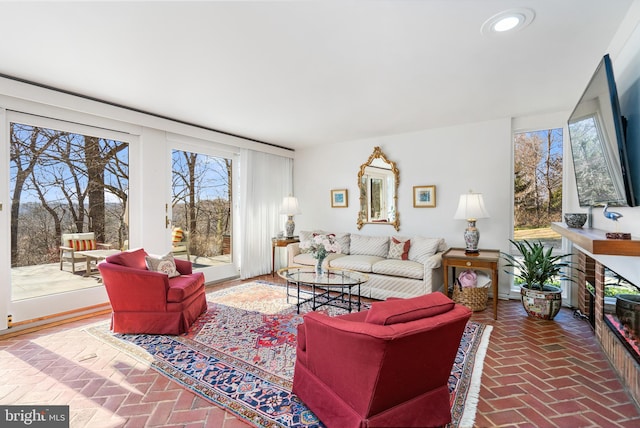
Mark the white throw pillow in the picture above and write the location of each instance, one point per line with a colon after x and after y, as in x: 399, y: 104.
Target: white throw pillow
x: 423, y: 248
x: 369, y: 245
x: 344, y: 239
x: 165, y: 264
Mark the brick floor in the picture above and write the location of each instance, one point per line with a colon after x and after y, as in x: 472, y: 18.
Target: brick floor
x: 536, y: 374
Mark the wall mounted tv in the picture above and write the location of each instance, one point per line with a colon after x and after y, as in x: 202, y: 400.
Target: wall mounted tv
x: 598, y: 147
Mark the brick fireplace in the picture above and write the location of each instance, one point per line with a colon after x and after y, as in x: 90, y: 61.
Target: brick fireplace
x: 591, y: 247
x: 623, y: 358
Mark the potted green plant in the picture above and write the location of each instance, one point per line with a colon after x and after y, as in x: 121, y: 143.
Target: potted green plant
x: 535, y: 269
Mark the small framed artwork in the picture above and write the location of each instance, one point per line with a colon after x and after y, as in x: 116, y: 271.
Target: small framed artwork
x: 339, y: 198
x: 424, y: 196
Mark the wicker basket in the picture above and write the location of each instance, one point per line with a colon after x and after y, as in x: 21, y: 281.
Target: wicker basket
x: 475, y: 298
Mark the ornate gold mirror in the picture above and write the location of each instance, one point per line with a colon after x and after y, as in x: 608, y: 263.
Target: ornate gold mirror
x: 378, y: 183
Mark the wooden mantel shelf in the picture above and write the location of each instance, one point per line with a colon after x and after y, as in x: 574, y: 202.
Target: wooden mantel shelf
x: 596, y: 242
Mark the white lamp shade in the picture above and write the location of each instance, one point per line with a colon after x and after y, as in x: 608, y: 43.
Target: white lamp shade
x: 471, y: 206
x: 290, y: 206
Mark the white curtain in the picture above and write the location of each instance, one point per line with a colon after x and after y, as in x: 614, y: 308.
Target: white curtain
x: 265, y: 179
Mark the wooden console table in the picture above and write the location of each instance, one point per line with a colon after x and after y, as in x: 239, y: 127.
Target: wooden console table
x: 483, y: 260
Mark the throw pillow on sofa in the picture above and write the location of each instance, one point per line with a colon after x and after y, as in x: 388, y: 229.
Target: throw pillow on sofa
x: 399, y: 248
x: 369, y: 245
x: 423, y: 248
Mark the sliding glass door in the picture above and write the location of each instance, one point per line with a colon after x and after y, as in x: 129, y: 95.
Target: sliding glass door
x: 68, y: 187
x: 202, y: 210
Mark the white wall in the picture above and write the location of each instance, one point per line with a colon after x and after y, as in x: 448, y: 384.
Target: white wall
x: 475, y: 156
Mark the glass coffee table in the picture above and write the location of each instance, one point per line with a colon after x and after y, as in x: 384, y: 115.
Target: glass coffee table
x: 332, y: 288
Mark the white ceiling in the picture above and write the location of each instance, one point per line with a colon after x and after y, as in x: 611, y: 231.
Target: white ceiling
x: 302, y: 73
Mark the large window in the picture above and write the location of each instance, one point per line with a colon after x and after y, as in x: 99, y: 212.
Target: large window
x: 538, y: 185
x: 60, y: 183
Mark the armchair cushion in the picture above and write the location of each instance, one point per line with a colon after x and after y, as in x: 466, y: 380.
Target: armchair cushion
x: 182, y: 287
x: 404, y: 310
x: 132, y: 258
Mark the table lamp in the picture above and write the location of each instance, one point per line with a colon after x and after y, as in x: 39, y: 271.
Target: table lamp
x: 290, y: 208
x: 470, y: 208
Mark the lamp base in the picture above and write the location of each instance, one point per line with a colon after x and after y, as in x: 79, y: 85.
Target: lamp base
x: 290, y: 226
x: 471, y: 237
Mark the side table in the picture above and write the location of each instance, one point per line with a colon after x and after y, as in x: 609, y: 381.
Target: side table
x: 279, y: 242
x: 483, y: 260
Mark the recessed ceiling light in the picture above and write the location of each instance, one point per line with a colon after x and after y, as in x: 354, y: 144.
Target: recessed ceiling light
x: 508, y: 20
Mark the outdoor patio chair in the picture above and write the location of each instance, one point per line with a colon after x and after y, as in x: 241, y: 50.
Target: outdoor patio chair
x: 72, y: 242
x: 180, y: 242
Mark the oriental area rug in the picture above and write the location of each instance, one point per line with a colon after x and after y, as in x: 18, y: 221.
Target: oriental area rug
x: 240, y: 355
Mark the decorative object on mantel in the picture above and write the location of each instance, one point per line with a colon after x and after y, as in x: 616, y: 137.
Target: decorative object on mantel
x: 536, y: 268
x: 575, y: 220
x: 612, y: 215
x: 424, y: 196
x: 339, y: 198
x: 471, y: 207
x: 290, y: 208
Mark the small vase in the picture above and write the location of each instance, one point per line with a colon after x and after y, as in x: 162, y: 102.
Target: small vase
x: 319, y: 268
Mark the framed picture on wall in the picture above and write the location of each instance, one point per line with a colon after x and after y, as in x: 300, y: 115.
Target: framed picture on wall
x: 424, y: 196
x: 339, y: 198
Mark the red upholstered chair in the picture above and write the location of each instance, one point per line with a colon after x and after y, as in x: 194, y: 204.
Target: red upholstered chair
x: 145, y: 301
x: 385, y: 367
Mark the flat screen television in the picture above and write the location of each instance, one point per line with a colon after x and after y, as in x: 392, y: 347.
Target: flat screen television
x: 598, y: 147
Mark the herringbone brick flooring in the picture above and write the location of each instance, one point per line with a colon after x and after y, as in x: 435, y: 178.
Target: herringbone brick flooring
x: 536, y: 374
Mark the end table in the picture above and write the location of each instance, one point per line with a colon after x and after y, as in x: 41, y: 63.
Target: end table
x: 482, y: 260
x: 280, y: 242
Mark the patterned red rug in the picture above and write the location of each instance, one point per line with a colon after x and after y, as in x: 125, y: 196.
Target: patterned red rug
x: 241, y: 353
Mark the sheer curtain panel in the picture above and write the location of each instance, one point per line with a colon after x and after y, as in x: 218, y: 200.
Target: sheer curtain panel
x: 264, y: 180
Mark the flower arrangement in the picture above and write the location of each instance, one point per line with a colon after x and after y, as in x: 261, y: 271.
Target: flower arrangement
x: 321, y: 245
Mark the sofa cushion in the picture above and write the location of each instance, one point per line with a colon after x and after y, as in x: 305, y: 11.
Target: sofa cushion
x: 165, y: 264
x: 360, y: 263
x: 399, y: 248
x: 369, y: 245
x: 404, y: 268
x: 132, y: 258
x: 405, y: 310
x: 423, y: 248
x: 181, y: 287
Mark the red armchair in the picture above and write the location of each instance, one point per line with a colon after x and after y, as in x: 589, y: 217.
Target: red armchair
x: 385, y: 367
x: 144, y: 301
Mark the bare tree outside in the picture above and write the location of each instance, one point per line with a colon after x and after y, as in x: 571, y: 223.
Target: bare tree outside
x: 201, y: 201
x: 538, y: 184
x: 63, y: 182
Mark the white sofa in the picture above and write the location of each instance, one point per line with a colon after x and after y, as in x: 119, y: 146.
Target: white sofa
x: 381, y: 258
